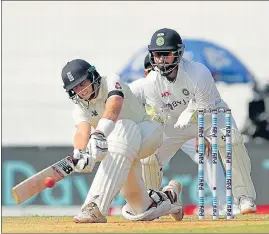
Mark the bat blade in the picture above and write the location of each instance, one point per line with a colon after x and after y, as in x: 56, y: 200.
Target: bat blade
x: 35, y: 184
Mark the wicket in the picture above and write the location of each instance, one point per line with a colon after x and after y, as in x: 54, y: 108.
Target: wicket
x: 214, y: 155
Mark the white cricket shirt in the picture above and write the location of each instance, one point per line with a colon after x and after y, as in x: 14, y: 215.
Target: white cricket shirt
x: 132, y: 108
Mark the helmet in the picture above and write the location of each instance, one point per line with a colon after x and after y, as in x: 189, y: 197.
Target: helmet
x: 164, y: 43
x: 75, y: 72
x: 147, y: 64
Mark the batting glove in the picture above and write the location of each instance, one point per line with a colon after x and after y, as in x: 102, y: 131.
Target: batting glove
x: 186, y: 119
x: 83, y: 161
x: 98, y: 146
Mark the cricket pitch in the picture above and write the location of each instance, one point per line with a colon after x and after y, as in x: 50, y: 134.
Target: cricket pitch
x: 38, y: 224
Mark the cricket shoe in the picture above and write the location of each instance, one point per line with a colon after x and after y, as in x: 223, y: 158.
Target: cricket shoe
x: 247, y: 205
x: 90, y: 214
x: 172, y: 190
x: 223, y: 210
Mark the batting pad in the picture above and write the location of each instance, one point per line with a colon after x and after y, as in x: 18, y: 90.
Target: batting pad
x: 123, y: 146
x: 241, y: 167
x: 151, y: 172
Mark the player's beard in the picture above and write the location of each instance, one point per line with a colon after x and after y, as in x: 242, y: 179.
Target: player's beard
x: 167, y: 70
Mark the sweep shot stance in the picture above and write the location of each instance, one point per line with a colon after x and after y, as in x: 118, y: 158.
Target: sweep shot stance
x: 152, y: 171
x: 123, y: 134
x: 175, y: 90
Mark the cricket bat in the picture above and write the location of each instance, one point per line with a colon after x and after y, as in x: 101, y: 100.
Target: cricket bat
x: 35, y: 184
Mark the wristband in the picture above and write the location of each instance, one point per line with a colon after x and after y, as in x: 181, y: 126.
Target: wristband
x: 105, y: 126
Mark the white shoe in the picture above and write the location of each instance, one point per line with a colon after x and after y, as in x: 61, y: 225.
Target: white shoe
x: 172, y: 190
x: 247, y: 205
x: 223, y: 211
x: 90, y: 214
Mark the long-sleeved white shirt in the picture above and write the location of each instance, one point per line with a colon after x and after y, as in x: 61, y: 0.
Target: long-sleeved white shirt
x: 131, y: 109
x: 194, y: 84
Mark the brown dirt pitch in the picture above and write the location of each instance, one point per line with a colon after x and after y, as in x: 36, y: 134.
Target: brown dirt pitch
x: 39, y: 224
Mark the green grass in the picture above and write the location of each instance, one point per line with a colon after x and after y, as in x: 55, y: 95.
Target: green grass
x: 190, y: 224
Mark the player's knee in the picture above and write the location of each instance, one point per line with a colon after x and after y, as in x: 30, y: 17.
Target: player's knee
x: 125, y: 139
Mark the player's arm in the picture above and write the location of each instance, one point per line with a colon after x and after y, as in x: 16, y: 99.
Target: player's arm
x: 137, y: 88
x: 206, y: 96
x: 112, y: 110
x: 114, y: 102
x: 113, y: 107
x: 206, y: 93
x: 81, y: 137
x: 84, y: 161
x: 83, y: 128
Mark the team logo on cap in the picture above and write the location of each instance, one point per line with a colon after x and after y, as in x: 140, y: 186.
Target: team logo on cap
x: 160, y: 41
x: 185, y: 92
x: 70, y: 76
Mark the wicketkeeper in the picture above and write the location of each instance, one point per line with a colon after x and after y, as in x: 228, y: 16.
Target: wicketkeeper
x: 152, y: 172
x: 175, y: 90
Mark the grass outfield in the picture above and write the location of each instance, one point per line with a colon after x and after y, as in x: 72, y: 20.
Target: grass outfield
x: 38, y: 224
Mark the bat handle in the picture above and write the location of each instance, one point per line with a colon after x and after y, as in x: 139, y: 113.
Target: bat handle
x: 75, y: 161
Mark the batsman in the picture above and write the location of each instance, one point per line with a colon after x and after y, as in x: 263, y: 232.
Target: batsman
x: 122, y: 135
x: 176, y: 89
